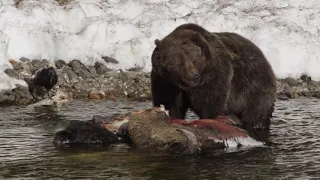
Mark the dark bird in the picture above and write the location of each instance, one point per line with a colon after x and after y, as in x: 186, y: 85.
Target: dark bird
x: 46, y: 78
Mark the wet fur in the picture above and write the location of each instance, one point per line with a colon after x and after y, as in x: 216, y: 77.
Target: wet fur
x: 236, y: 77
x: 46, y: 79
x: 79, y: 133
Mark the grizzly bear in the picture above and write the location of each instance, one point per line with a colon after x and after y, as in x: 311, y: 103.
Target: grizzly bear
x: 213, y: 74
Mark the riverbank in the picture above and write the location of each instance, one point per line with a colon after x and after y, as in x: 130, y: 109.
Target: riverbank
x: 100, y: 82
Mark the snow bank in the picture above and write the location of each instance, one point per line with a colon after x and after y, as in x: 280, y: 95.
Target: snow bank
x: 287, y: 31
x: 6, y: 82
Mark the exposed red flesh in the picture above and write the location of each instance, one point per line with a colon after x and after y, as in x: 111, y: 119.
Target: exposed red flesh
x: 222, y: 124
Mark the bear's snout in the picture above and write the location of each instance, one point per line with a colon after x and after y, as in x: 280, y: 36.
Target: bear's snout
x: 194, y: 79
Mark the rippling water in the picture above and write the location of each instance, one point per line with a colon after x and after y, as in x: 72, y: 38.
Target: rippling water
x: 26, y: 150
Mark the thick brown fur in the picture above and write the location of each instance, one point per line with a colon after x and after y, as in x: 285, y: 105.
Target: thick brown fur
x: 213, y: 74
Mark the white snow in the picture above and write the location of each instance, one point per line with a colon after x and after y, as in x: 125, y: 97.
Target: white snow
x: 6, y: 82
x: 287, y: 31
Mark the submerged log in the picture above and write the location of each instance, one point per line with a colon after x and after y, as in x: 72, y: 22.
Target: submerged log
x: 153, y: 130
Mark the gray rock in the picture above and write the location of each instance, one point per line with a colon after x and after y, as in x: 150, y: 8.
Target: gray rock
x: 65, y: 69
x: 25, y: 60
x: 92, y: 70
x: 52, y: 92
x: 61, y: 79
x: 72, y: 76
x: 84, y: 74
x: 36, y: 64
x: 11, y: 98
x: 26, y: 68
x: 22, y: 95
x: 78, y: 86
x: 317, y: 94
x: 74, y: 80
x: 289, y: 92
x: 290, y: 81
x: 21, y: 88
x: 135, y: 69
x: 45, y: 63
x: 113, y: 74
x: 23, y: 101
x: 307, y: 94
x: 30, y: 67
x: 17, y: 66
x: 60, y: 64
x: 305, y: 78
x: 75, y: 66
x: 26, y: 96
x: 147, y: 75
x: 66, y: 78
x: 7, y: 93
x: 124, y: 76
x: 11, y: 73
x: 101, y: 68
x: 108, y: 59
x: 3, y: 97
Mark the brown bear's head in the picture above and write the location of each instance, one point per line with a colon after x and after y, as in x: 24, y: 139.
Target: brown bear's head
x: 180, y: 59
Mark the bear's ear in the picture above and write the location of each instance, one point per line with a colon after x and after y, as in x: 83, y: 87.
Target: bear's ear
x: 157, y: 42
x: 203, y: 44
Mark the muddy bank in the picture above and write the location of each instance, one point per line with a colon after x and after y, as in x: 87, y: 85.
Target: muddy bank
x: 100, y: 82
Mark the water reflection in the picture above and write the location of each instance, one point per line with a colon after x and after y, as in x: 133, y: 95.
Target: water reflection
x: 26, y: 149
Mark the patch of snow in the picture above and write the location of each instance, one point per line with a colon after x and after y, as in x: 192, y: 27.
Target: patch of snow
x: 6, y: 82
x: 288, y: 31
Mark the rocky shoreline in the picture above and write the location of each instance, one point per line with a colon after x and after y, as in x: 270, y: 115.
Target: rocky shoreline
x: 100, y: 82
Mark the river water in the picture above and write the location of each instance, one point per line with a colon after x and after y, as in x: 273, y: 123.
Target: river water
x: 27, y: 152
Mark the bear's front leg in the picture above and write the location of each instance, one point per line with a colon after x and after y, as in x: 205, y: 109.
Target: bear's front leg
x: 171, y: 96
x: 180, y: 107
x: 177, y: 107
x: 212, y: 109
x: 208, y: 103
